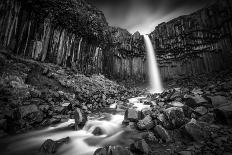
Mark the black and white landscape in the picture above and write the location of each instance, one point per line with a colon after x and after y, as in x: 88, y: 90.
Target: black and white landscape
x: 104, y: 77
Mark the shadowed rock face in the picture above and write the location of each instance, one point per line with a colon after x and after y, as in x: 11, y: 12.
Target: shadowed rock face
x: 72, y: 33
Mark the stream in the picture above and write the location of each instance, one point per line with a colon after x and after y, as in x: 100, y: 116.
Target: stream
x: 82, y: 142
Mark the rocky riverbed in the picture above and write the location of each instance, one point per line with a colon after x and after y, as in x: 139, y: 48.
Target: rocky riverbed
x: 192, y: 116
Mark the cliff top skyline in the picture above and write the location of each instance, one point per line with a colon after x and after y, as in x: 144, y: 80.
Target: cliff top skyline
x: 145, y: 15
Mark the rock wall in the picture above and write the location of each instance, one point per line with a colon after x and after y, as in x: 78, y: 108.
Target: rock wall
x: 188, y: 45
x: 74, y: 34
x: 197, y: 43
x: 36, y: 30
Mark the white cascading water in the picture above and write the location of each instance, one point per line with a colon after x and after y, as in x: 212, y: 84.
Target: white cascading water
x: 154, y: 74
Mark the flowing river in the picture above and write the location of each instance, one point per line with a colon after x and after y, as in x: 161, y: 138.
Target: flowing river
x: 82, y: 142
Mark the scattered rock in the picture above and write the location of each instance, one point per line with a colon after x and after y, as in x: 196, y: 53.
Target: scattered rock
x: 208, y: 118
x: 201, y: 110
x: 196, y: 131
x: 224, y: 114
x: 97, y: 131
x: 50, y: 146
x: 131, y: 115
x: 80, y: 118
x: 218, y: 101
x: 146, y: 123
x: 140, y: 147
x: 31, y: 113
x: 112, y: 150
x: 195, y: 101
x: 163, y: 133
x: 175, y: 116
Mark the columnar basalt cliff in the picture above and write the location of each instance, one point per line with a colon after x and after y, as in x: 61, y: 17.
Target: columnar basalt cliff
x: 196, y: 43
x: 188, y: 45
x: 72, y: 33
x: 68, y: 33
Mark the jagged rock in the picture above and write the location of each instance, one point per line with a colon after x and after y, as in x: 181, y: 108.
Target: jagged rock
x: 31, y: 113
x: 149, y: 137
x: 140, y: 147
x: 163, y: 133
x: 175, y: 116
x: 208, y: 118
x: 164, y: 121
x: 201, y: 110
x: 176, y: 104
x: 112, y: 150
x: 131, y: 115
x: 196, y: 131
x: 144, y: 112
x: 50, y: 146
x: 146, y: 123
x: 3, y: 124
x: 80, y: 118
x: 97, y: 131
x: 195, y: 101
x: 224, y: 114
x: 218, y: 101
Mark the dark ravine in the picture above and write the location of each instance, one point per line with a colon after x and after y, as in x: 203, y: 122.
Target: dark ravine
x: 57, y: 62
x: 75, y: 34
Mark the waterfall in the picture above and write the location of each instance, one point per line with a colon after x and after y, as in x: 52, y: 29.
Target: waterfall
x: 154, y: 74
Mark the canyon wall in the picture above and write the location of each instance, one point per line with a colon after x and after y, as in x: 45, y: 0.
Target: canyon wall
x: 188, y: 45
x: 74, y: 34
x: 197, y: 43
x: 67, y: 33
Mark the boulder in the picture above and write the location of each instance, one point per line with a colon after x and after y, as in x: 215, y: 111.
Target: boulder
x: 80, y: 118
x: 31, y: 113
x: 162, y: 133
x: 146, y: 123
x: 162, y: 118
x: 209, y: 118
x: 3, y: 124
x: 50, y: 146
x: 144, y: 112
x: 201, y: 110
x: 196, y: 130
x: 112, y: 150
x: 176, y: 104
x: 97, y: 131
x: 131, y: 115
x: 218, y: 101
x: 224, y: 114
x: 195, y: 101
x: 175, y: 116
x: 140, y: 147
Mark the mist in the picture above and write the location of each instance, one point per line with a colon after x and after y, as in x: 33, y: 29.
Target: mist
x: 144, y: 15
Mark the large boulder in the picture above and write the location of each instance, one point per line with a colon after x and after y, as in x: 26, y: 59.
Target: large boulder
x: 146, y: 123
x: 140, y: 147
x: 224, y: 114
x: 218, y: 101
x: 112, y: 150
x: 201, y: 110
x: 175, y: 116
x: 196, y: 130
x: 80, y: 118
x: 131, y: 115
x: 162, y: 133
x: 50, y: 146
x: 31, y: 113
x: 195, y: 101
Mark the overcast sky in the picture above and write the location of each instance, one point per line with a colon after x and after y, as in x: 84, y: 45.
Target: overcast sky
x: 144, y: 15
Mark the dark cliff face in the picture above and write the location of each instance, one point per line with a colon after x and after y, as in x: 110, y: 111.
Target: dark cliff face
x: 72, y: 33
x: 195, y: 43
x: 76, y: 16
